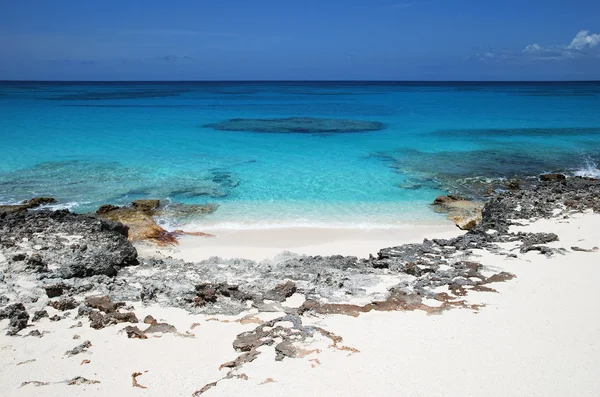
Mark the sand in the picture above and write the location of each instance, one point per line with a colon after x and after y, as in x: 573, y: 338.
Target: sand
x: 538, y: 336
x: 266, y: 243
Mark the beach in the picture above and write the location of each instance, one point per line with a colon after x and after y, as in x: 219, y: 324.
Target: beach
x: 526, y: 326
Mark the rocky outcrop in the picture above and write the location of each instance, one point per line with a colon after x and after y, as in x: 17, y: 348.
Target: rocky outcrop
x: 41, y: 247
x: 17, y: 316
x: 466, y: 214
x: 139, y: 218
x: 552, y: 178
x: 27, y: 204
x: 60, y: 244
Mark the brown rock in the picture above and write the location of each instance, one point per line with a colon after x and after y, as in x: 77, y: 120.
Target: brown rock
x: 141, y: 225
x: 10, y: 209
x: 147, y: 206
x: 282, y: 291
x: 53, y: 291
x: 106, y: 208
x: 64, y: 303
x: 134, y: 333
x: 149, y: 320
x: 99, y: 320
x: 103, y: 303
x: 552, y: 177
x: 38, y: 201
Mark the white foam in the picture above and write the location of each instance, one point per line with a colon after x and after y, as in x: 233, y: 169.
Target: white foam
x: 590, y: 169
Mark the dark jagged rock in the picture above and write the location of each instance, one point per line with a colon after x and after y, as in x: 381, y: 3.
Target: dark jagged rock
x: 209, y: 292
x: 106, y: 249
x: 79, y: 349
x: 64, y: 303
x: 301, y: 125
x: 134, y: 332
x: 106, y: 208
x: 55, y: 290
x: 56, y: 317
x: 99, y: 320
x: 18, y: 317
x: 282, y: 291
x: 36, y: 264
x: 25, y: 205
x: 36, y: 333
x: 38, y: 315
x: 552, y: 178
x: 37, y: 202
x: 80, y: 380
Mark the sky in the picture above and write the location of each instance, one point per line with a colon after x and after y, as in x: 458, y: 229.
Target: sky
x: 300, y: 40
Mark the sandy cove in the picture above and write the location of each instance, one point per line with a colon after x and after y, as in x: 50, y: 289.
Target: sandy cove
x: 537, y: 335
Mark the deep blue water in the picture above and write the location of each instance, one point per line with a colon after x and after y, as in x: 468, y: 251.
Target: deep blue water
x: 89, y: 144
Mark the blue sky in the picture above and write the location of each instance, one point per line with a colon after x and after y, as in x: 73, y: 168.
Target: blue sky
x: 308, y: 39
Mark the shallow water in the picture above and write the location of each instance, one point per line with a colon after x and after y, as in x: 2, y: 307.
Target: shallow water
x: 89, y: 144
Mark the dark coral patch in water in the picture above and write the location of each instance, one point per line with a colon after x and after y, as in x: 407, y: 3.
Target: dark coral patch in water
x: 302, y: 125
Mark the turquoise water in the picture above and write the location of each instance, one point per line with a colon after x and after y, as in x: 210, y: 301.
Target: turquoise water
x: 88, y: 144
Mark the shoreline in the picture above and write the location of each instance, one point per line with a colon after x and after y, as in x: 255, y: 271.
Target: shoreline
x: 491, y: 311
x: 260, y: 244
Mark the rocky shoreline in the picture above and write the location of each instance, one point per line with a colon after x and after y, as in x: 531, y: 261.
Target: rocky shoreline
x: 84, y: 268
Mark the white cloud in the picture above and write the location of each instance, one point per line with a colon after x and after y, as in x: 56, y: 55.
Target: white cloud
x: 582, y: 46
x: 584, y: 40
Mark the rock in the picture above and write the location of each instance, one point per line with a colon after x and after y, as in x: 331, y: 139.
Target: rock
x: 149, y: 320
x: 64, y: 303
x: 450, y: 198
x: 106, y: 208
x: 552, y: 177
x: 25, y: 205
x: 18, y: 317
x: 99, y: 320
x: 4, y: 299
x: 53, y: 291
x: 35, y: 333
x: 160, y: 327
x: 11, y: 209
x: 79, y: 348
x: 141, y: 225
x: 103, y: 303
x: 210, y: 292
x: 106, y: 251
x: 281, y: 292
x: 38, y: 201
x: 466, y: 214
x: 38, y: 315
x: 466, y: 223
x: 134, y: 333
x: 595, y: 249
x: 80, y: 380
x: 182, y: 211
x: 36, y: 263
x: 56, y: 317
x: 147, y: 206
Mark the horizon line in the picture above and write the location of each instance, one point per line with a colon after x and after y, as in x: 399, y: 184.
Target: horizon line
x: 297, y: 81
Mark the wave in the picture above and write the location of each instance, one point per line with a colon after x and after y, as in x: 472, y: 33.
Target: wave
x: 590, y: 169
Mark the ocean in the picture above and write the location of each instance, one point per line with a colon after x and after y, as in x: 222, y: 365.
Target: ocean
x: 286, y: 154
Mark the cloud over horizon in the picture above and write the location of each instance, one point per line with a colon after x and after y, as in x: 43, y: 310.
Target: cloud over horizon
x: 583, y: 45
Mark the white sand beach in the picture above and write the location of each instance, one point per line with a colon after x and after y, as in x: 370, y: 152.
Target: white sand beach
x: 262, y: 244
x: 537, y: 336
